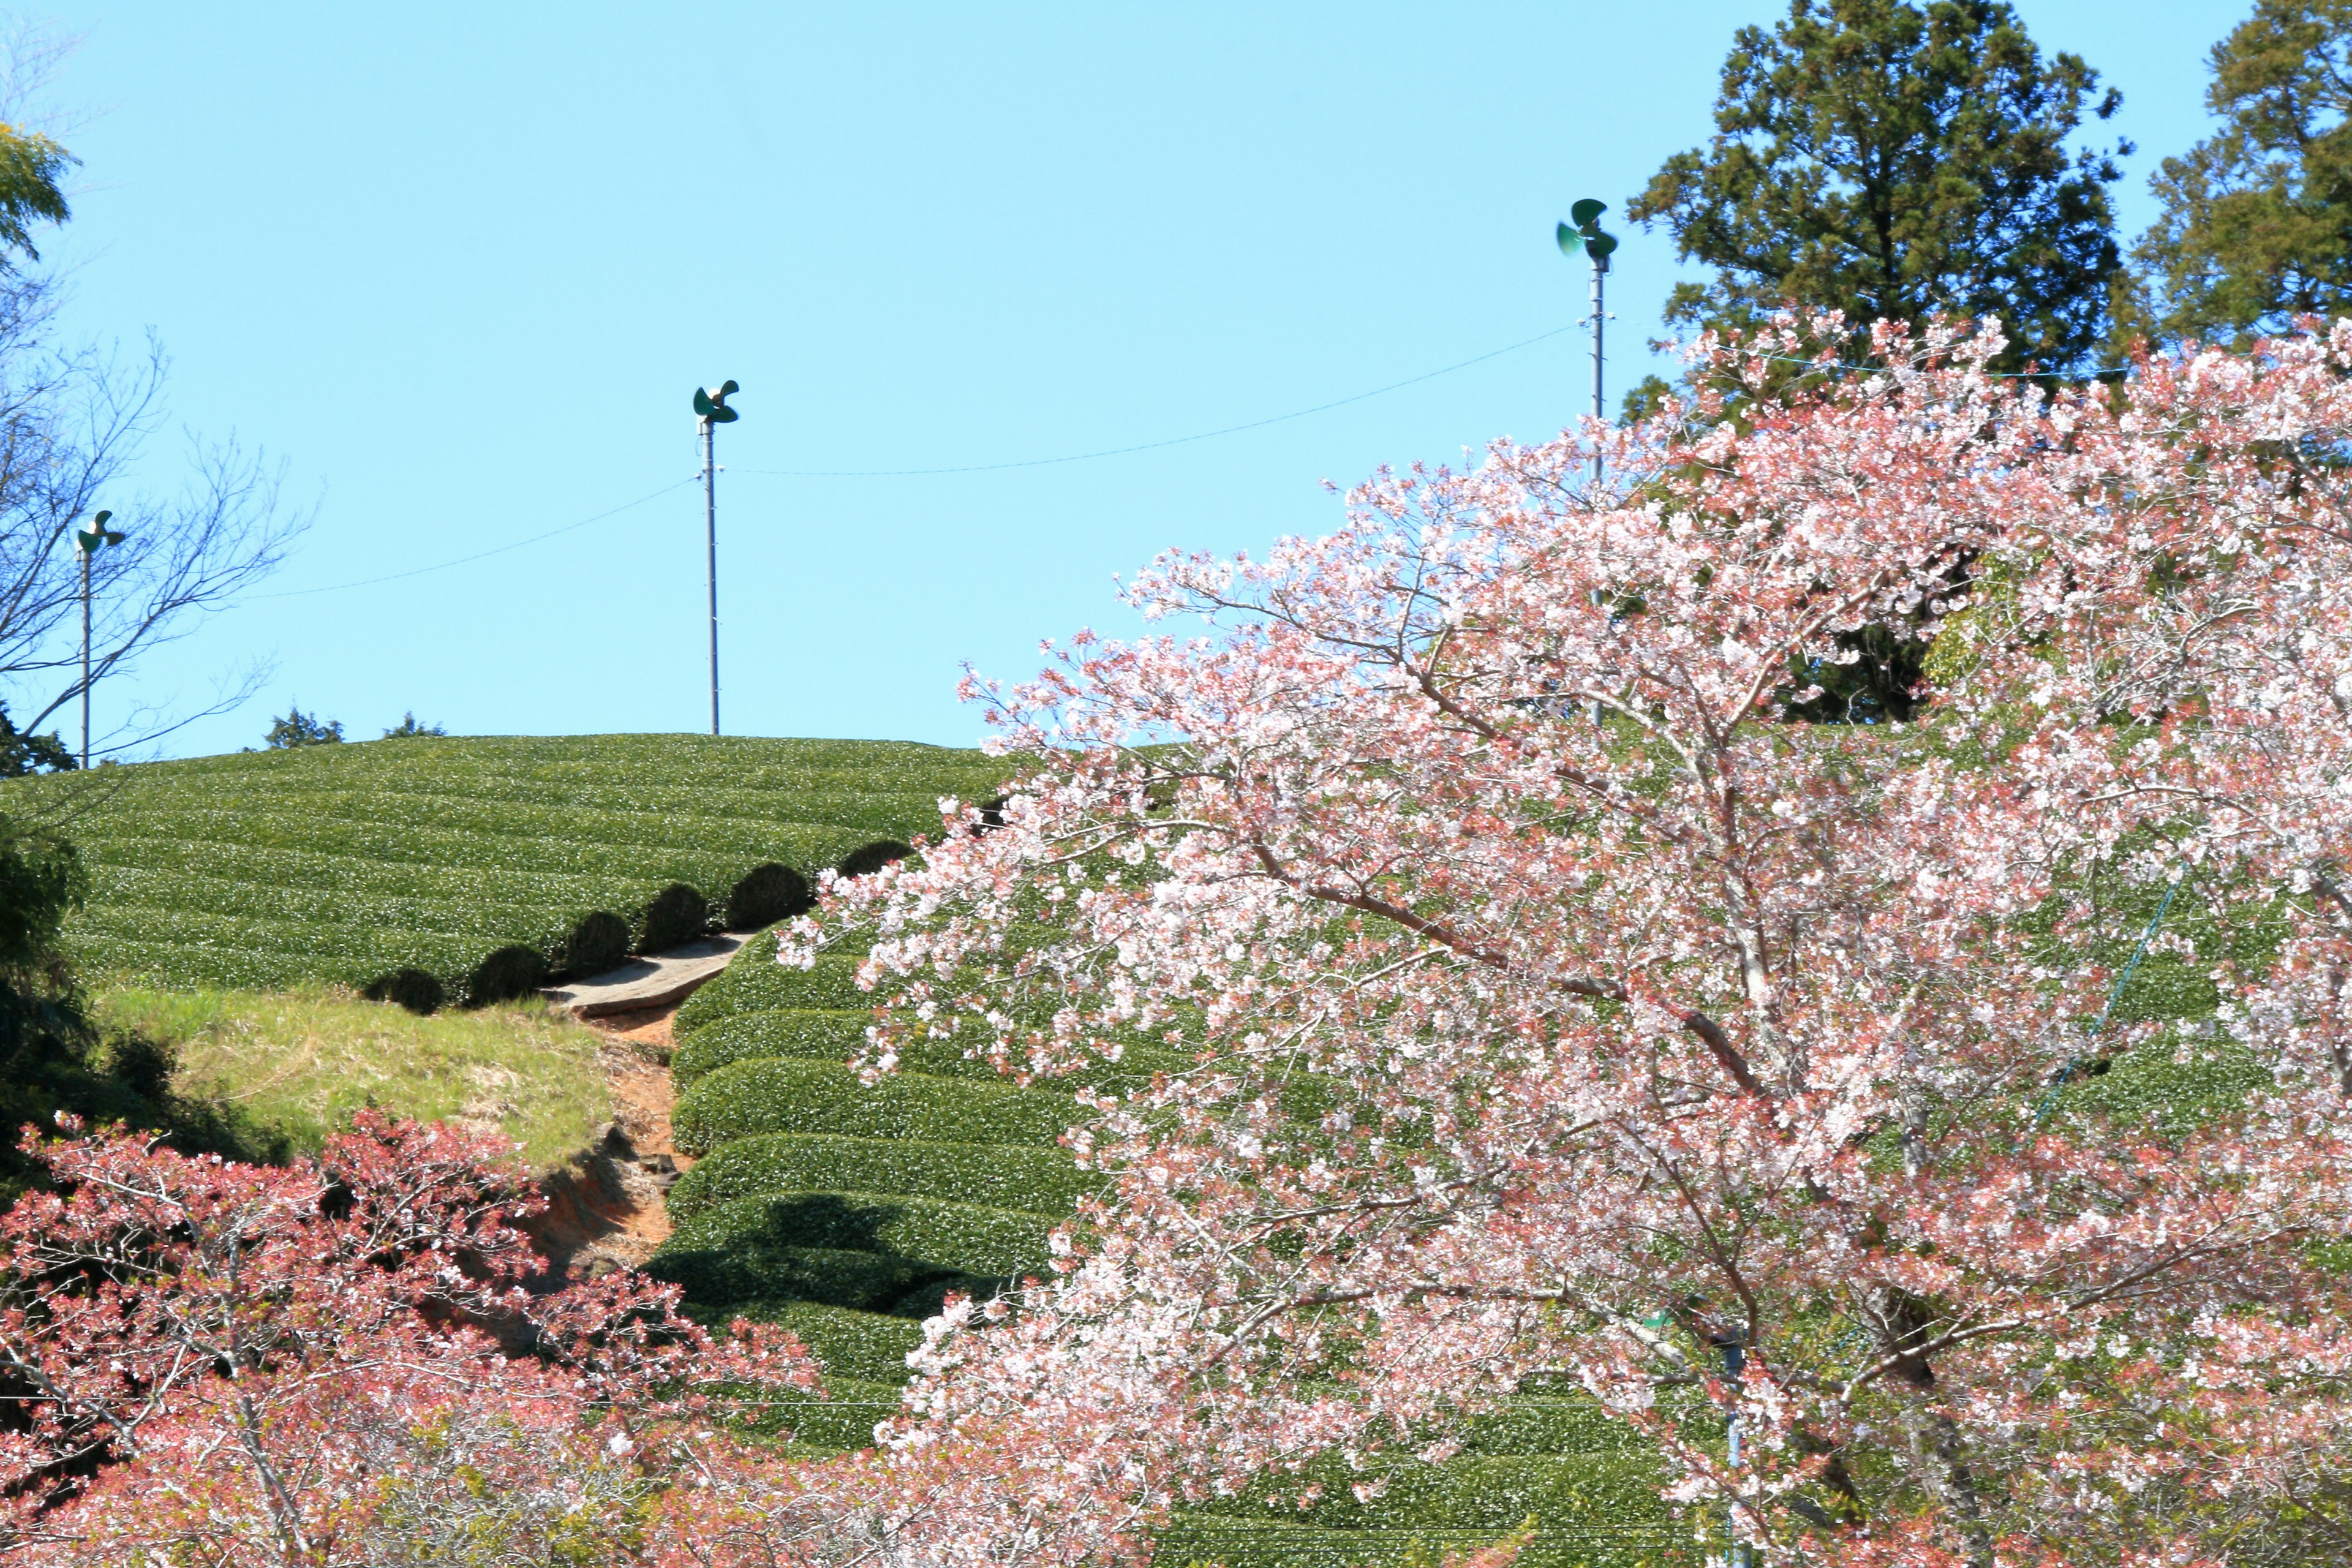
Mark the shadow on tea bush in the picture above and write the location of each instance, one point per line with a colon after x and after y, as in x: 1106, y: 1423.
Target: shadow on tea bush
x: 678, y: 914
x: 510, y: 971
x: 598, y: 942
x: 415, y: 989
x: 766, y: 894
x: 868, y: 859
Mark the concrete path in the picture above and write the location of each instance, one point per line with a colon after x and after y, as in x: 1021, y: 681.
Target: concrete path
x: 655, y: 980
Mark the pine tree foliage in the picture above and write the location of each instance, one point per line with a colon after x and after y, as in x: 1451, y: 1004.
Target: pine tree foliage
x: 1890, y: 159
x: 2256, y: 225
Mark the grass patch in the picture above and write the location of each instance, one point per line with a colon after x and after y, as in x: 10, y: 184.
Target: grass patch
x: 300, y: 1062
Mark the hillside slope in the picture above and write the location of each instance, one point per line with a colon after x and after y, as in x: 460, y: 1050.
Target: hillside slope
x: 850, y: 1212
x: 468, y: 870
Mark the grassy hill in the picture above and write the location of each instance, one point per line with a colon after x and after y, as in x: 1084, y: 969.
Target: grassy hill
x: 848, y: 1213
x: 467, y: 869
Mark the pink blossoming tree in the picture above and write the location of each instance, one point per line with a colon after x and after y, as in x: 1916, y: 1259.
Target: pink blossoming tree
x: 1561, y: 1009
x: 351, y: 1360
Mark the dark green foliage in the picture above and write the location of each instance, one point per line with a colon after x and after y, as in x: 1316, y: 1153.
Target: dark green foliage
x: 1894, y: 160
x: 509, y: 972
x: 41, y: 880
x: 21, y: 753
x: 418, y: 990
x: 408, y: 728
x: 2255, y: 227
x: 748, y: 1099
x: 678, y: 914
x: 30, y: 167
x: 1873, y: 679
x: 742, y: 1274
x: 867, y: 859
x: 1043, y: 1181
x: 846, y: 1418
x: 955, y: 1238
x: 301, y: 729
x: 765, y: 894
x: 52, y: 1057
x: 599, y: 941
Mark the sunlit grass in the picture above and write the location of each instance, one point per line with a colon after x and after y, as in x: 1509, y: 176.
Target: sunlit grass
x: 300, y: 1062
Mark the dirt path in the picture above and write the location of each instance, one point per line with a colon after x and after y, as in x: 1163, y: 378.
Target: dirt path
x: 609, y: 1211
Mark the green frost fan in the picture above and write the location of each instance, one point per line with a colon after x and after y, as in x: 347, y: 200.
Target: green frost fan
x: 712, y: 406
x: 97, y: 534
x: 1583, y: 233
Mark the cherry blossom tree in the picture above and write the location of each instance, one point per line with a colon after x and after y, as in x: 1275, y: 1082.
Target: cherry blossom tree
x: 346, y: 1360
x: 1557, y: 1008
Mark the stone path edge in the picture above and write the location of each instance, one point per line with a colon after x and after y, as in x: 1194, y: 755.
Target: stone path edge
x: 656, y: 980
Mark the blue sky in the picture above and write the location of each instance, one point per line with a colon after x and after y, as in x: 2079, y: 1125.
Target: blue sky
x: 462, y: 267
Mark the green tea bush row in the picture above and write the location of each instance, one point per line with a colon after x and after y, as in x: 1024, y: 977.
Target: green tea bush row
x: 744, y: 1099
x: 843, y: 1419
x: 1045, y: 1180
x: 955, y: 1238
x: 265, y: 868
x: 1270, y: 1541
x: 827, y: 1034
x: 755, y: 983
x: 131, y: 886
x: 865, y: 1346
x: 748, y: 1277
x: 429, y: 841
x: 878, y: 814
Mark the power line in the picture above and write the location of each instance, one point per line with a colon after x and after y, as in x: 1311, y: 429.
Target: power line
x: 483, y: 554
x: 968, y: 469
x: 1155, y: 446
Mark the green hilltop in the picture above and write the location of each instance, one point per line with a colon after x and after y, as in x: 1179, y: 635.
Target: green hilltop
x: 430, y: 870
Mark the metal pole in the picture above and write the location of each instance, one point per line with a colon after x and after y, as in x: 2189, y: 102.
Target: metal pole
x: 710, y: 528
x: 1600, y: 266
x: 85, y: 658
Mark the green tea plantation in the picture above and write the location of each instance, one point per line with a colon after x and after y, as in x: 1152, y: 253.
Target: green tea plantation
x: 430, y: 870
x: 850, y: 1212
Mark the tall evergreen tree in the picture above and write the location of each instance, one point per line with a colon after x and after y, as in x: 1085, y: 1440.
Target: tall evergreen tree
x: 1896, y: 160
x: 2256, y: 225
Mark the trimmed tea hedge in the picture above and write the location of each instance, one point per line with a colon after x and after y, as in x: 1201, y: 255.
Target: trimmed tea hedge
x: 746, y: 1098
x: 964, y: 1239
x: 1001, y: 1176
x: 758, y: 983
x: 471, y: 868
x: 866, y: 1346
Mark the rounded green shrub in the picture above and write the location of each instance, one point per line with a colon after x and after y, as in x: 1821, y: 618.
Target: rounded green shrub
x: 596, y: 942
x: 418, y: 990
x: 783, y: 1095
x: 843, y: 1419
x: 766, y: 894
x: 678, y: 914
x: 850, y: 1343
x: 507, y: 972
x: 1002, y: 1175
